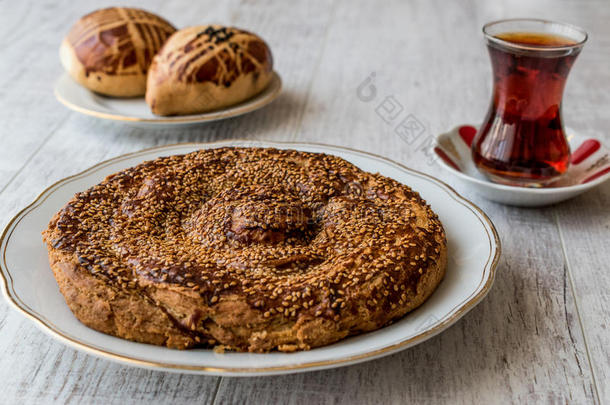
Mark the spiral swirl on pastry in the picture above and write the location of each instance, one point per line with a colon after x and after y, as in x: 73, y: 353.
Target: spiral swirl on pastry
x: 247, y: 249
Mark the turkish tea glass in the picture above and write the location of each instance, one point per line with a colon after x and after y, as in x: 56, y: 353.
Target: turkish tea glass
x: 522, y: 141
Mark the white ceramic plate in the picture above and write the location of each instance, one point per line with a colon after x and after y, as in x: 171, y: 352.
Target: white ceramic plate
x: 136, y: 112
x: 474, y: 250
x: 589, y: 168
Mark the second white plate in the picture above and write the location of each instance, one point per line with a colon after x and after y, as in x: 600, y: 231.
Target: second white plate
x: 135, y: 111
x: 590, y: 167
x: 473, y: 250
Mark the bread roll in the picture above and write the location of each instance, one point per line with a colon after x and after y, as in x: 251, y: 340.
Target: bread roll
x: 205, y: 68
x: 110, y: 50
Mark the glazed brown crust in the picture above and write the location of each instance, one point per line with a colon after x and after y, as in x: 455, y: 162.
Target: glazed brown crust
x: 246, y: 249
x: 205, y: 68
x: 110, y: 50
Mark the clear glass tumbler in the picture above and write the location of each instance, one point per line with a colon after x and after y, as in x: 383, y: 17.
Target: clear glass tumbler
x: 522, y: 140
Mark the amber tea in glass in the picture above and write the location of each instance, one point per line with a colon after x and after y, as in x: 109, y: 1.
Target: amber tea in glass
x: 522, y: 140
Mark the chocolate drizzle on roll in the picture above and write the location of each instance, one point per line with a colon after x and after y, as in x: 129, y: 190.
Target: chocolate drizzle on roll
x: 114, y: 39
x: 204, y: 68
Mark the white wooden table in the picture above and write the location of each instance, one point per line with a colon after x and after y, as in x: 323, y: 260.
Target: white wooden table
x: 542, y: 333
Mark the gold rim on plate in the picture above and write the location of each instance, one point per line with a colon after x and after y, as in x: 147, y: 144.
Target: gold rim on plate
x: 460, y: 310
x: 270, y: 93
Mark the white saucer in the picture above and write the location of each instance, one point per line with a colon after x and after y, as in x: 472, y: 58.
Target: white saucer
x: 589, y: 168
x: 473, y: 250
x: 136, y: 112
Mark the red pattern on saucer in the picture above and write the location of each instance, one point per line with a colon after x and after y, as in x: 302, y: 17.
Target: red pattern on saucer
x: 446, y: 158
x: 586, y: 149
x: 467, y: 133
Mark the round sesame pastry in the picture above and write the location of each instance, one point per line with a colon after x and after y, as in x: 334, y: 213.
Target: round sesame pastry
x: 205, y: 68
x: 110, y: 50
x: 245, y: 249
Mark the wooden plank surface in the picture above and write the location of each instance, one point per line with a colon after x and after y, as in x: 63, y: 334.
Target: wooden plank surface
x: 541, y: 335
